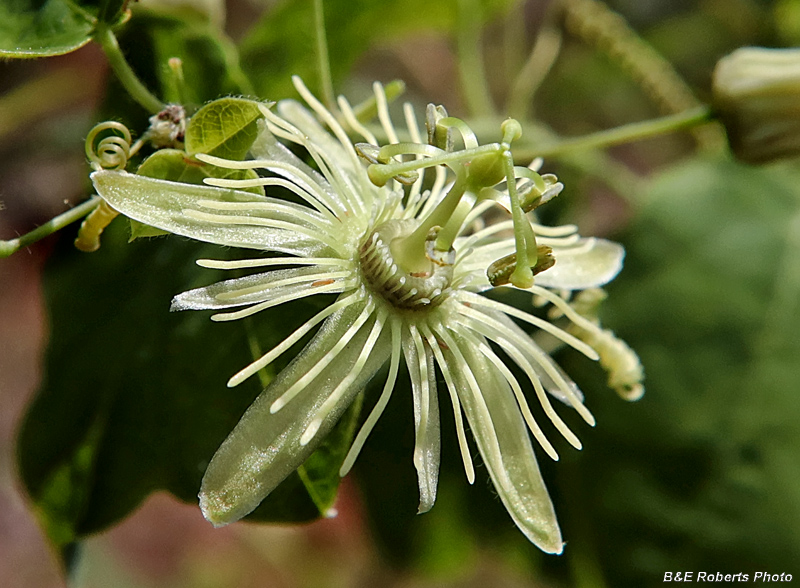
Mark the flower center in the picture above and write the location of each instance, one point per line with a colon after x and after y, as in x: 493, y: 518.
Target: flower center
x: 411, y: 291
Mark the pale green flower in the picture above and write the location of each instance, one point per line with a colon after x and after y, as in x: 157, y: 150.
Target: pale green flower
x: 401, y: 299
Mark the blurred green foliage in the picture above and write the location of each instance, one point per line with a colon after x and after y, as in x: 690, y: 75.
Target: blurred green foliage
x: 702, y: 474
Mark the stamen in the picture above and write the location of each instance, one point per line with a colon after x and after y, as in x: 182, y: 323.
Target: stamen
x: 467, y: 136
x: 524, y: 238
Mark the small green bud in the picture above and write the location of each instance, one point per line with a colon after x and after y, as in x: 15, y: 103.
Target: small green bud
x: 511, y: 129
x: 757, y: 96
x: 168, y: 127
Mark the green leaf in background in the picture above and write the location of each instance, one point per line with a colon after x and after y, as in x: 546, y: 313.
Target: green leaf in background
x: 703, y: 472
x: 134, y: 397
x: 225, y: 128
x: 142, y: 231
x: 283, y: 41
x: 51, y: 27
x: 40, y: 29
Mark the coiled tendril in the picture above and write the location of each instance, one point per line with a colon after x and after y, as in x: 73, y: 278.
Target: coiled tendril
x: 110, y: 152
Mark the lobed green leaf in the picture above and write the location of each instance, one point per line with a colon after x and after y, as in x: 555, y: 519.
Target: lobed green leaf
x: 224, y: 128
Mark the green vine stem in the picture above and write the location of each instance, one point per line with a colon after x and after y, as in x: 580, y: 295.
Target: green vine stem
x: 470, y: 59
x: 105, y: 37
x: 536, y: 66
x: 50, y: 227
x: 323, y: 60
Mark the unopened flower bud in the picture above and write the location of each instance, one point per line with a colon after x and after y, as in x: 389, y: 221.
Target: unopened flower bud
x: 757, y: 96
x: 168, y: 127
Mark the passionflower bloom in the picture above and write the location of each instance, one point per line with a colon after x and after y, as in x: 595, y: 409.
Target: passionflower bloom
x: 409, y: 265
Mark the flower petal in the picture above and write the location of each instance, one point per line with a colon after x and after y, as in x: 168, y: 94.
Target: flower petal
x: 165, y: 205
x: 419, y: 360
x: 590, y: 264
x: 503, y: 441
x: 264, y: 448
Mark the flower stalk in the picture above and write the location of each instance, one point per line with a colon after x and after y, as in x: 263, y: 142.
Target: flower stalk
x: 55, y: 224
x: 628, y: 133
